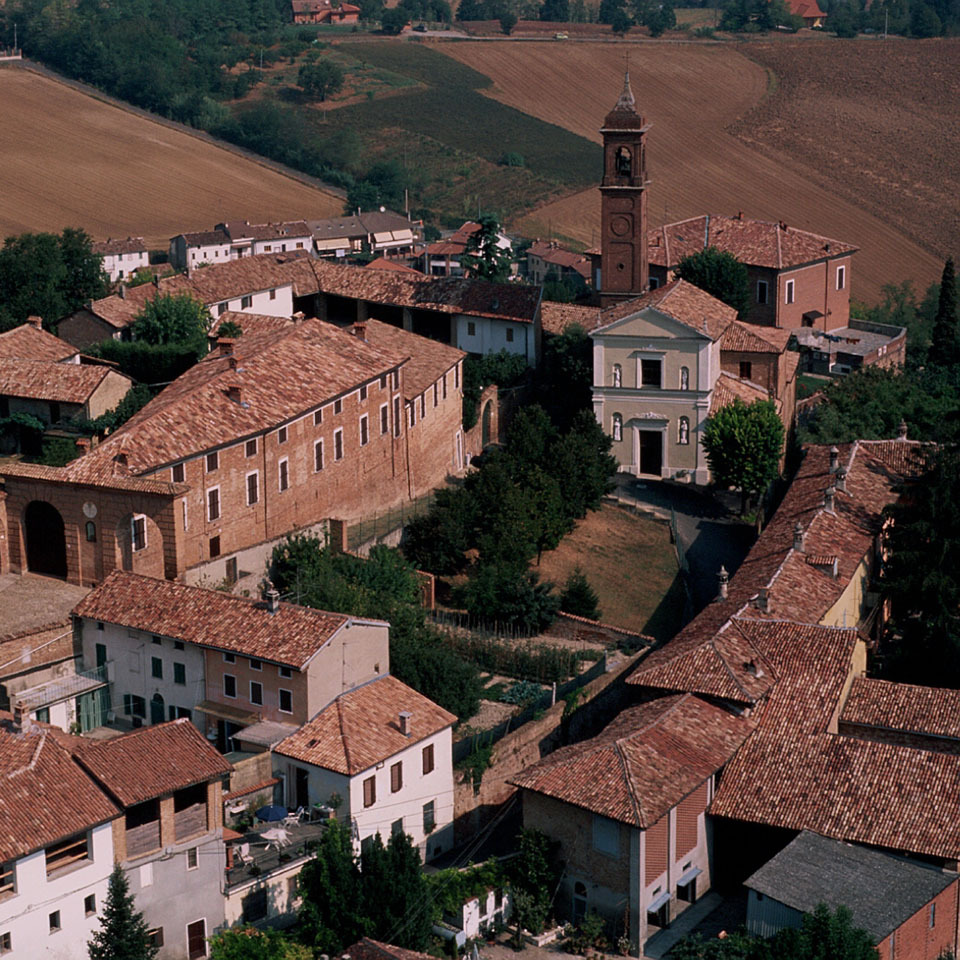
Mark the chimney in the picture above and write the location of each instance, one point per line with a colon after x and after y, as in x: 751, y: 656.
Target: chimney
x: 798, y: 537
x: 783, y: 226
x: 121, y: 458
x: 122, y: 291
x: 235, y: 393
x: 271, y: 596
x: 841, y: 482
x: 834, y: 459
x: 35, y: 322
x: 902, y: 429
x: 763, y: 600
x: 739, y: 214
x: 828, y: 498
x: 83, y: 445
x: 156, y: 280
x: 225, y: 345
x: 405, y: 720
x: 723, y: 578
x: 360, y: 330
x: 232, y: 362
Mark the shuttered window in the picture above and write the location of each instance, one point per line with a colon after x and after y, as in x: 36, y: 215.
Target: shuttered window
x: 655, y: 861
x: 688, y: 814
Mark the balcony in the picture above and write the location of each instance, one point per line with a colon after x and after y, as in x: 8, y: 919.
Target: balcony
x: 265, y: 856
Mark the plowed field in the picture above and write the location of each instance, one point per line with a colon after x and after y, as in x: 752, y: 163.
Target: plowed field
x: 694, y: 94
x: 68, y: 159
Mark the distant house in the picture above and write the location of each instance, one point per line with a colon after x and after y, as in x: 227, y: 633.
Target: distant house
x: 30, y: 341
x: 386, y: 750
x: 323, y: 11
x: 547, y: 258
x: 810, y: 10
x: 238, y: 238
x: 907, y: 907
x: 122, y: 258
x: 628, y: 809
x: 383, y: 233
x: 442, y: 258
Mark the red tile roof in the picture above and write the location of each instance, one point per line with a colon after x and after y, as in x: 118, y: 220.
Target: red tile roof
x: 758, y: 243
x: 30, y: 342
x: 644, y: 762
x: 551, y: 252
x: 44, y: 795
x: 685, y: 303
x: 382, y: 263
x: 368, y: 949
x: 808, y: 9
x: 243, y: 230
x: 926, y: 711
x: 48, y: 380
x: 742, y: 337
x: 429, y: 359
x: 729, y: 388
x: 558, y: 317
x: 361, y: 728
x: 104, y: 473
x: 152, y: 761
x: 211, y: 618
x: 110, y: 246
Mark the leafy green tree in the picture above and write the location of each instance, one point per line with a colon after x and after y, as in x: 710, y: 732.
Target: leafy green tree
x: 582, y: 462
x: 945, y: 345
x: 620, y: 22
x: 924, y: 21
x: 579, y: 598
x: 172, y: 318
x: 533, y: 879
x: 743, y: 443
x: 921, y: 578
x: 507, y: 592
x: 843, y: 21
x: 123, y: 931
x: 393, y: 21
x: 555, y: 10
x: 251, y: 943
x: 439, y: 540
x: 229, y: 329
x: 508, y: 21
x: 608, y: 9
x: 484, y: 257
x: 320, y: 79
x: 564, y: 380
x: 721, y: 274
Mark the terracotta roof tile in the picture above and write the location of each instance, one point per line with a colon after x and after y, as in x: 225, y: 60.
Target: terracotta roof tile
x: 29, y: 342
x: 243, y: 229
x: 742, y: 337
x: 429, y: 359
x: 361, y: 727
x: 44, y: 795
x: 644, y: 762
x: 211, y: 618
x: 48, y: 380
x: 729, y: 388
x: 95, y: 473
x: 368, y: 949
x: 927, y: 711
x: 382, y: 263
x: 685, y: 303
x: 551, y: 252
x: 558, y: 317
x: 152, y: 761
x: 757, y: 243
x: 110, y: 246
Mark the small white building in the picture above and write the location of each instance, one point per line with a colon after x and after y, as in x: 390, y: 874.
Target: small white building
x: 386, y: 751
x: 122, y: 258
x: 238, y: 238
x: 55, y: 856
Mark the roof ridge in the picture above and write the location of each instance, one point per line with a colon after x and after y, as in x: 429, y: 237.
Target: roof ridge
x: 638, y: 810
x: 726, y: 666
x: 29, y: 767
x: 343, y: 735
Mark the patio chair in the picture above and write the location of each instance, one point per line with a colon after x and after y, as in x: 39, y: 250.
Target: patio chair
x: 293, y: 819
x: 243, y: 852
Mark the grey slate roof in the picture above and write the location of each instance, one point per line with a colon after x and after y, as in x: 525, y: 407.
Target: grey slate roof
x: 882, y: 891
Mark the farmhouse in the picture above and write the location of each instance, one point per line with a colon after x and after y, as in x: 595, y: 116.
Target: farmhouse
x: 122, y: 258
x: 30, y: 341
x: 381, y: 232
x: 323, y: 11
x: 442, y: 258
x: 810, y: 10
x: 236, y: 239
x: 546, y: 258
x: 276, y: 431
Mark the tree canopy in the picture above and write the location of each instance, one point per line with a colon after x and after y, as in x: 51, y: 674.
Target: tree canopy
x: 743, y: 443
x: 251, y: 943
x: 123, y: 931
x: 484, y: 257
x: 172, y: 318
x: 721, y: 274
x: 320, y: 79
x: 945, y: 341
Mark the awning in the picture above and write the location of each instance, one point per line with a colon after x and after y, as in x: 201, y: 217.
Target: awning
x: 225, y: 712
x: 689, y: 876
x: 406, y: 235
x: 661, y: 901
x: 384, y: 237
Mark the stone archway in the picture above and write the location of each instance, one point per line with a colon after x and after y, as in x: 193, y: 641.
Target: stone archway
x: 46, y: 542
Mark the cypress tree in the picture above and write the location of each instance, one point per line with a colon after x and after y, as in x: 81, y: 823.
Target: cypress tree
x: 123, y: 934
x: 945, y: 344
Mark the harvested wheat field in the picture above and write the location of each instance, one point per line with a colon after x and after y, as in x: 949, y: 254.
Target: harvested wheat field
x: 693, y: 94
x: 69, y: 159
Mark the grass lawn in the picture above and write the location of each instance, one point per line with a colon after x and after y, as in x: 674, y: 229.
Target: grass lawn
x: 630, y: 562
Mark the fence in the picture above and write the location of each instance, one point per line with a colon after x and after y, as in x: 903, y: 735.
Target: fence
x: 385, y: 527
x: 483, y: 738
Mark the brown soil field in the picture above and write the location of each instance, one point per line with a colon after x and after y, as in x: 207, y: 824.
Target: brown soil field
x: 694, y: 94
x: 630, y: 563
x: 70, y: 159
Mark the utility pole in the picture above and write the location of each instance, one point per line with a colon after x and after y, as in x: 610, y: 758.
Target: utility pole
x: 886, y: 20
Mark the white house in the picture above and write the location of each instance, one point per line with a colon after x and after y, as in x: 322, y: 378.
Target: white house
x: 386, y: 752
x: 122, y: 258
x: 56, y: 847
x: 238, y: 238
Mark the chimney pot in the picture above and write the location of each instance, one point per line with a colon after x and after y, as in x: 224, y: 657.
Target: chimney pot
x: 798, y: 537
x: 122, y: 291
x: 834, y: 459
x: 235, y: 393
x: 360, y: 330
x: 405, y: 723
x: 83, y: 445
x: 35, y: 322
x: 232, y: 361
x: 723, y: 579
x: 271, y: 596
x: 841, y: 482
x: 902, y: 429
x: 763, y: 600
x: 829, y: 496
x: 225, y: 345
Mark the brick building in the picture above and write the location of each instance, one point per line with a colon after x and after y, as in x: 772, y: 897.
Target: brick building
x: 323, y: 11
x: 546, y: 258
x: 274, y: 432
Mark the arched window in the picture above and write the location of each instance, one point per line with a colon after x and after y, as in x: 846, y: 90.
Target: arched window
x: 617, y: 375
x: 684, y: 431
x: 684, y: 378
x: 91, y: 532
x: 624, y: 162
x: 617, y: 427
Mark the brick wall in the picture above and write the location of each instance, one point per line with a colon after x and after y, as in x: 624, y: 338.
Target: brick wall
x: 916, y: 939
x: 433, y: 448
x: 473, y: 438
x: 83, y: 328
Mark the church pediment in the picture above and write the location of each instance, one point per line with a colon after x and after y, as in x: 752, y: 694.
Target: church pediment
x: 649, y: 322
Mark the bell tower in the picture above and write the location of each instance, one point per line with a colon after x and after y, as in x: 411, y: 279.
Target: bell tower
x: 623, y: 203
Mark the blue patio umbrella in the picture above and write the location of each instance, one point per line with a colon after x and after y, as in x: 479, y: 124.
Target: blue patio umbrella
x: 272, y: 811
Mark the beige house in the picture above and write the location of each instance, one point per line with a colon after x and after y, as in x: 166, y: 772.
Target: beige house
x: 656, y: 363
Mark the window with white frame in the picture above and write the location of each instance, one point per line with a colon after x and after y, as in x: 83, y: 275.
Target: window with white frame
x: 283, y: 470
x: 318, y: 456
x: 841, y: 277
x: 789, y: 292
x: 617, y: 427
x: 253, y: 488
x: 337, y: 407
x: 138, y: 531
x: 282, y: 435
x: 213, y: 461
x: 250, y: 448
x: 285, y: 698
x: 318, y: 417
x: 338, y: 444
x: 256, y: 693
x: 230, y: 686
x: 178, y: 473
x: 213, y: 504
